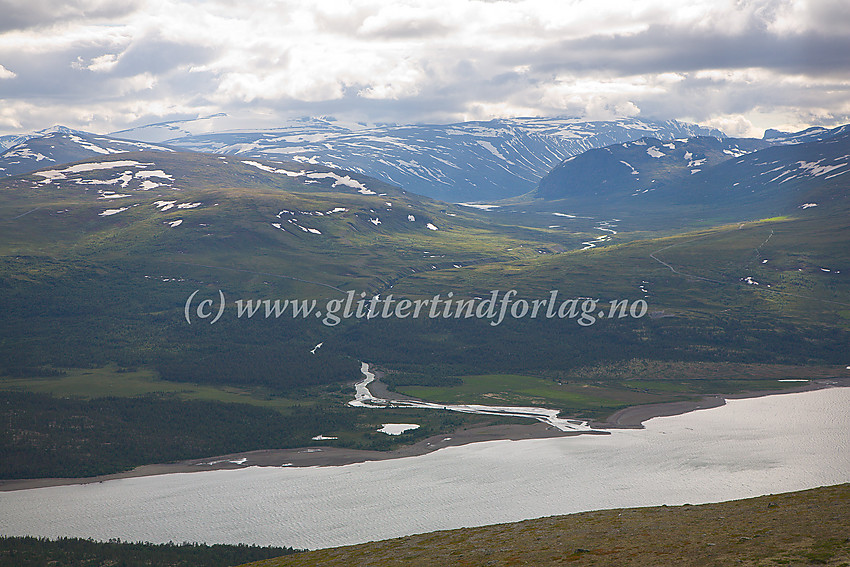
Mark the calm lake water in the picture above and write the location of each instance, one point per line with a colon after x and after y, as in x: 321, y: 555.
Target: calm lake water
x: 746, y: 448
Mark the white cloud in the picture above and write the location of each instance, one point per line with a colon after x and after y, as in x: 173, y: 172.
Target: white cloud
x: 103, y: 63
x: 734, y: 125
x: 728, y: 61
x: 100, y: 63
x: 601, y: 99
x: 140, y: 82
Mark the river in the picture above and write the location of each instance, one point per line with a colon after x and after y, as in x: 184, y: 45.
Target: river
x: 363, y: 398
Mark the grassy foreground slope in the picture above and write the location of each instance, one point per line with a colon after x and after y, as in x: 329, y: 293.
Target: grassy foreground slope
x: 800, y: 528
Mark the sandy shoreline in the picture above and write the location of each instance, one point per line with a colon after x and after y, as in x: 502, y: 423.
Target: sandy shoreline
x: 317, y: 455
x: 312, y: 456
x: 634, y: 416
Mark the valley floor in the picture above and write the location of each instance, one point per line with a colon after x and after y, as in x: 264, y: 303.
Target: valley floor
x: 631, y: 417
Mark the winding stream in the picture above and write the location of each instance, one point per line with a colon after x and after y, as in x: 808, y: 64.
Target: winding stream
x: 363, y: 398
x: 603, y: 226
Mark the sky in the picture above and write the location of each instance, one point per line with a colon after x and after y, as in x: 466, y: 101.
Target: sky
x: 738, y: 65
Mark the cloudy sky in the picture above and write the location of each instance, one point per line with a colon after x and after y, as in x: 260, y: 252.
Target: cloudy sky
x: 105, y: 65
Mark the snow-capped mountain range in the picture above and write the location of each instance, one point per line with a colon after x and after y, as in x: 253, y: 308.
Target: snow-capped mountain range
x: 469, y: 161
x: 454, y: 162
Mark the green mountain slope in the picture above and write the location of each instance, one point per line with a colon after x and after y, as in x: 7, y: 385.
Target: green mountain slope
x: 118, y: 244
x: 91, y: 278
x: 774, y: 291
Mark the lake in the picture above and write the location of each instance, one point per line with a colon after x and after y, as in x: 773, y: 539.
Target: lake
x: 745, y: 448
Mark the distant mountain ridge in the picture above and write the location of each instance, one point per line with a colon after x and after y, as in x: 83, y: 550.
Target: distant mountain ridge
x: 469, y: 161
x: 454, y: 162
x: 637, y: 167
x: 813, y: 134
x: 753, y: 177
x: 59, y: 145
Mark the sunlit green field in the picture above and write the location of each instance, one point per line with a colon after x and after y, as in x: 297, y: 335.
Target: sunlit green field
x: 509, y: 389
x: 598, y: 390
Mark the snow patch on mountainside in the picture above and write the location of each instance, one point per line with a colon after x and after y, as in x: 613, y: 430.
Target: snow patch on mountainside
x: 816, y: 169
x: 26, y: 153
x: 627, y: 164
x: 481, y: 206
x: 315, y: 176
x: 58, y: 174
